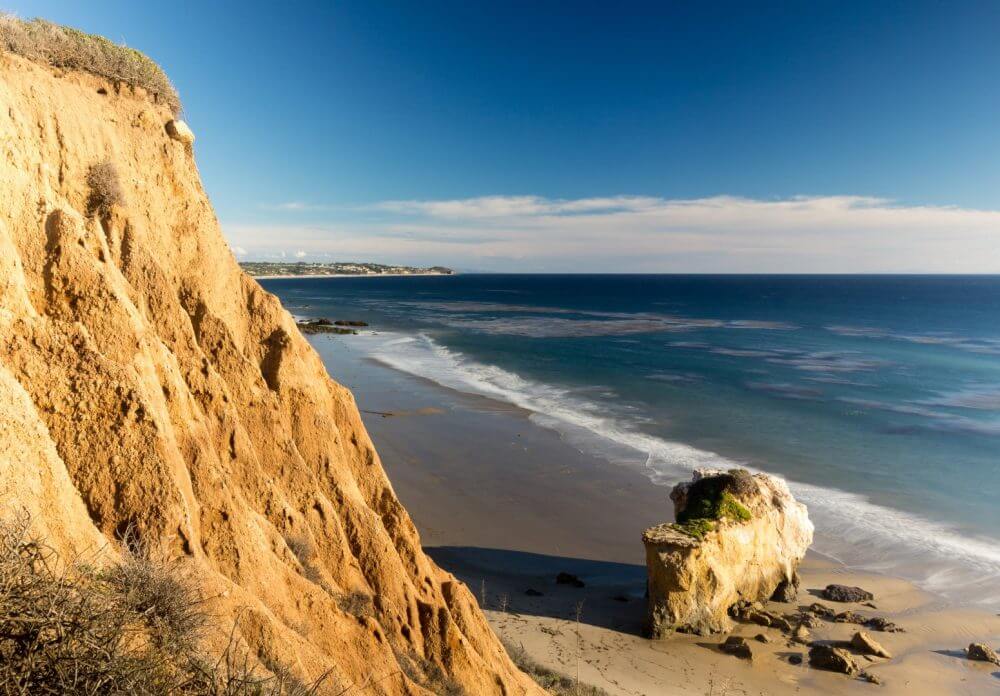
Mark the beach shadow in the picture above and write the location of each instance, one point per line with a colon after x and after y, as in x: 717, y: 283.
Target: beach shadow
x: 952, y: 653
x: 787, y: 655
x: 612, y: 596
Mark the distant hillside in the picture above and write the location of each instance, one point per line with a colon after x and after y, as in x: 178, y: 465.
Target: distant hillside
x: 301, y: 268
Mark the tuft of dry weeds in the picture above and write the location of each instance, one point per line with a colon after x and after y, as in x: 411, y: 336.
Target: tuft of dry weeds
x: 105, y: 188
x: 551, y: 681
x: 65, y: 47
x: 356, y: 603
x: 130, y: 628
x: 427, y: 674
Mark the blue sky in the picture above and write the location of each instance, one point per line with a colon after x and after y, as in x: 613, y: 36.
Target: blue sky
x: 794, y: 133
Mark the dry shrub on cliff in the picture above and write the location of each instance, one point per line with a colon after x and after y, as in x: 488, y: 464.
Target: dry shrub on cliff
x: 356, y: 603
x: 427, y: 674
x: 131, y: 628
x: 64, y: 47
x: 105, y: 188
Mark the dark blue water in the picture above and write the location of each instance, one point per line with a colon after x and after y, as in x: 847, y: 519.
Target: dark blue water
x: 878, y: 398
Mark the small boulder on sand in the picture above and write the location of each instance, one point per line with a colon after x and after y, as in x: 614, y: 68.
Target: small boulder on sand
x: 983, y: 653
x: 846, y: 593
x: 864, y: 643
x: 850, y: 617
x: 833, y: 659
x: 800, y: 634
x: 787, y: 590
x: 880, y: 623
x: 821, y: 610
x: 738, y: 646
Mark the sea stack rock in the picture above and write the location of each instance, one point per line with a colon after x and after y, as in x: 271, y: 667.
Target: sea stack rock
x: 737, y: 538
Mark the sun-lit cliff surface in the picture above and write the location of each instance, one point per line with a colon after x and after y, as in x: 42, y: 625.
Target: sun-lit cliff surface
x: 147, y: 383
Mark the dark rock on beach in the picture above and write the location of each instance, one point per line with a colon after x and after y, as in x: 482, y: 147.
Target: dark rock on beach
x: 880, y: 623
x: 876, y: 623
x: 807, y: 620
x: 833, y: 659
x: 738, y: 646
x: 787, y: 590
x: 532, y: 592
x: 822, y: 610
x: 846, y: 593
x: 850, y: 617
x: 569, y: 579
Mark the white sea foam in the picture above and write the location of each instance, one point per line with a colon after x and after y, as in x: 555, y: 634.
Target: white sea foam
x: 850, y: 528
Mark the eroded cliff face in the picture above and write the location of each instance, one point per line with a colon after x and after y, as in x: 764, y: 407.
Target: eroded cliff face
x: 147, y: 383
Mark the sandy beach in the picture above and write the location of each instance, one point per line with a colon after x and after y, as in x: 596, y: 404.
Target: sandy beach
x: 505, y: 505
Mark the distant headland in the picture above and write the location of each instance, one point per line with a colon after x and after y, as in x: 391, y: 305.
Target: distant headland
x: 300, y: 269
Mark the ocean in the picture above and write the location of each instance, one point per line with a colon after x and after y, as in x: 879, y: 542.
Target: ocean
x: 876, y: 397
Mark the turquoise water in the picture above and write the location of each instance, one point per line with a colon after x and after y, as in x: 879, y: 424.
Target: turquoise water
x: 878, y: 398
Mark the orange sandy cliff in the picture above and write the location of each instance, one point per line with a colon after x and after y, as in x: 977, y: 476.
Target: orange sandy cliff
x: 147, y: 382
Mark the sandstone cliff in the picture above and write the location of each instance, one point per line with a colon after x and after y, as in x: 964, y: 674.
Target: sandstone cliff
x: 738, y: 539
x: 147, y: 383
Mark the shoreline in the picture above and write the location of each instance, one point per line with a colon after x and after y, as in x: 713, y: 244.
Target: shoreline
x: 347, y: 275
x: 504, y: 504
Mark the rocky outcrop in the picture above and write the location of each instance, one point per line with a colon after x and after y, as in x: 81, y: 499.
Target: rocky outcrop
x: 147, y: 384
x: 180, y: 131
x: 738, y: 538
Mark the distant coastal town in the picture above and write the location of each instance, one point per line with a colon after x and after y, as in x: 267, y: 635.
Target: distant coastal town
x: 270, y: 269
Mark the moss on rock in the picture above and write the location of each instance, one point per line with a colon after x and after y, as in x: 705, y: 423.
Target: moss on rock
x: 711, y: 499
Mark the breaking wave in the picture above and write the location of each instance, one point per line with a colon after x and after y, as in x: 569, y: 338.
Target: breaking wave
x: 850, y: 528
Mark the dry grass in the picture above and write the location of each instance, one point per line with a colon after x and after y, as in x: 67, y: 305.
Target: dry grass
x: 357, y: 604
x: 105, y: 188
x: 427, y: 674
x: 551, y: 681
x: 302, y: 548
x: 131, y: 628
x: 64, y: 47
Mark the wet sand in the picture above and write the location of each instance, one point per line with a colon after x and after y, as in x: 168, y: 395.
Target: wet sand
x: 505, y: 505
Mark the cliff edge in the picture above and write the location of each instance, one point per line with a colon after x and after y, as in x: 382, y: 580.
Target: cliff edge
x: 148, y: 384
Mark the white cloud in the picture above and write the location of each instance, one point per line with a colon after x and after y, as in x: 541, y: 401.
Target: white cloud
x: 239, y: 251
x: 300, y: 254
x: 639, y: 233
